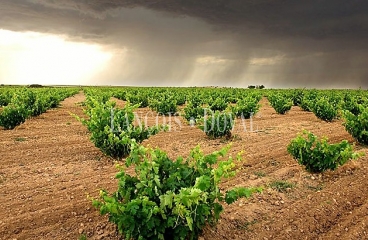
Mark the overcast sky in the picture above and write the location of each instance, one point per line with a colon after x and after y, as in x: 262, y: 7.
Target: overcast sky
x: 277, y: 43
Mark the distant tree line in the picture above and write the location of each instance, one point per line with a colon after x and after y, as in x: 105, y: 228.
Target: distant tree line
x: 256, y: 86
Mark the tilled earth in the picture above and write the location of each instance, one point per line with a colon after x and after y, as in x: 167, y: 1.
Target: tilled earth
x: 49, y: 168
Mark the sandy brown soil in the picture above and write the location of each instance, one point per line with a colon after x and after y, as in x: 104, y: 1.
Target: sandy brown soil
x: 48, y: 166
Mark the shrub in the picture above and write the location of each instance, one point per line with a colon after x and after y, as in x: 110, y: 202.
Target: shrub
x: 168, y: 199
x: 180, y: 99
x: 53, y: 100
x: 5, y: 97
x: 280, y: 103
x: 335, y: 98
x: 318, y: 155
x: 121, y: 94
x: 218, y: 124
x: 307, y: 102
x: 24, y: 97
x: 164, y: 106
x: 324, y: 110
x: 196, y: 100
x: 112, y: 129
x: 357, y: 125
x: 13, y: 115
x: 297, y: 96
x: 218, y: 104
x: 137, y: 98
x: 351, y: 104
x: 40, y: 106
x: 193, y: 113
x: 246, y: 107
x: 26, y: 102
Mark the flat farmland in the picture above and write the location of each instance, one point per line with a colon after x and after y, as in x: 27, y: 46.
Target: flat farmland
x: 49, y: 167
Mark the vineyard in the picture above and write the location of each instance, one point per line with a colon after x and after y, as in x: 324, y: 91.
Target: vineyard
x: 183, y: 163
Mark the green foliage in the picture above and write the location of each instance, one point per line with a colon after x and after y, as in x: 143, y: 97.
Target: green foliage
x: 112, y: 129
x: 196, y: 100
x: 40, y: 106
x: 180, y: 99
x: 82, y: 237
x: 25, y: 103
x: 218, y: 104
x: 194, y: 110
x: 121, y: 94
x: 357, y: 125
x: 281, y: 186
x: 218, y: 124
x: 20, y: 139
x: 53, y: 101
x: 350, y: 103
x: 236, y: 193
x: 318, y: 155
x: 324, y: 110
x: 334, y: 98
x: 24, y: 97
x: 138, y: 98
x: 246, y: 107
x: 297, y: 96
x: 167, y: 199
x: 193, y: 113
x: 3, y: 100
x: 308, y: 100
x: 280, y: 103
x: 260, y: 174
x: 306, y: 105
x: 13, y: 115
x: 164, y: 106
x: 5, y: 97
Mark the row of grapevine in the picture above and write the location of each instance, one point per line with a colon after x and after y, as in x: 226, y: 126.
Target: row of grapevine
x: 351, y: 105
x: 213, y: 110
x: 215, y: 98
x: 281, y: 102
x: 113, y: 130
x: 325, y: 104
x: 212, y: 97
x: 246, y: 107
x: 6, y: 95
x: 22, y: 103
x: 356, y: 123
x: 220, y: 104
x: 318, y: 155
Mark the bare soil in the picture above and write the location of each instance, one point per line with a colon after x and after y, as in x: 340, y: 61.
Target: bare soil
x: 49, y: 167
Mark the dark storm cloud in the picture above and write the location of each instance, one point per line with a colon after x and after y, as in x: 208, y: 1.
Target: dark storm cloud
x: 318, y: 19
x: 321, y: 42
